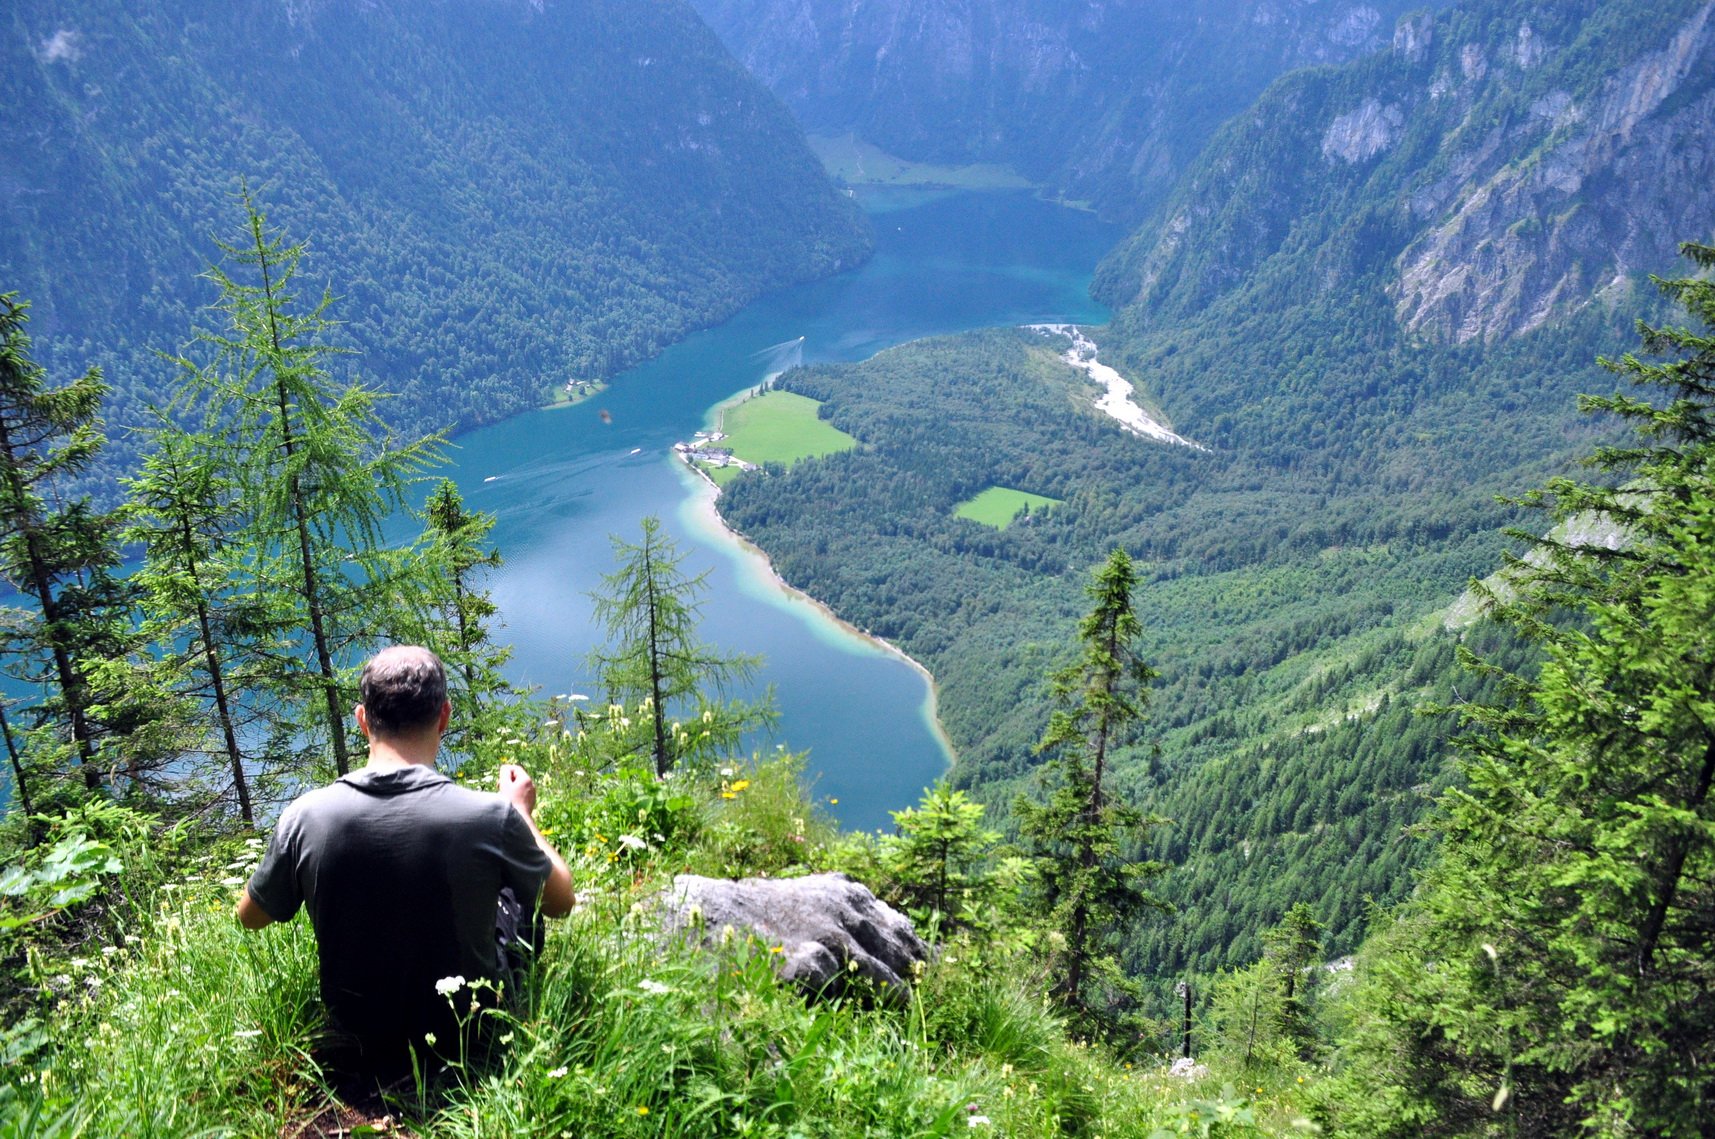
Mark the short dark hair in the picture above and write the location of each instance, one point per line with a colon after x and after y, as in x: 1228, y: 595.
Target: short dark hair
x: 402, y: 689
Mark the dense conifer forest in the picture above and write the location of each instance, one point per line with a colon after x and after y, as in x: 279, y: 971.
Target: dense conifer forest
x: 506, y: 197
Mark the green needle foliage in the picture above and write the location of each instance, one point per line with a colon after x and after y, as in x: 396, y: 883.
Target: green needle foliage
x: 650, y: 612
x: 455, y: 541
x: 1291, y: 948
x: 1557, y: 974
x: 98, y: 709
x: 1086, y: 879
x: 183, y: 512
x: 937, y: 860
x: 318, y: 473
x: 48, y: 433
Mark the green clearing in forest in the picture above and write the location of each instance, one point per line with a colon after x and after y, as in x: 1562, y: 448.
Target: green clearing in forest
x: 780, y: 427
x: 999, y: 505
x: 859, y: 163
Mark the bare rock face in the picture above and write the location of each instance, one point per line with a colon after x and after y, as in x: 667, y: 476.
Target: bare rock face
x: 1501, y: 175
x: 1364, y: 133
x: 1619, y: 181
x: 829, y: 929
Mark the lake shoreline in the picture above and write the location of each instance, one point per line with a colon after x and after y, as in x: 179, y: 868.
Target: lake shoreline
x: 705, y: 494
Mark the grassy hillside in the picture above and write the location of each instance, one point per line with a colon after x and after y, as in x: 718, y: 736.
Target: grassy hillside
x: 148, y: 1012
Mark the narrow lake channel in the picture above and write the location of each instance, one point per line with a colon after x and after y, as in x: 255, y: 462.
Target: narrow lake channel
x: 561, y: 481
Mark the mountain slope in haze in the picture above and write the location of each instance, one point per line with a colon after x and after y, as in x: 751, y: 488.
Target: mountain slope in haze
x: 1294, y: 574
x: 504, y: 195
x: 1499, y: 167
x: 1105, y: 102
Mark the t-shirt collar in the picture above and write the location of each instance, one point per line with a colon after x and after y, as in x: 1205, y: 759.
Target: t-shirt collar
x: 393, y: 780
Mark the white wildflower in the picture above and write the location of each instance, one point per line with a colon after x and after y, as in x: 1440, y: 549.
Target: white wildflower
x: 247, y: 1033
x: 632, y: 842
x: 653, y: 986
x: 558, y: 1073
x: 447, y: 986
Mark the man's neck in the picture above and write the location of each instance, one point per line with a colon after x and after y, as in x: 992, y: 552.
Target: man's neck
x: 391, y: 754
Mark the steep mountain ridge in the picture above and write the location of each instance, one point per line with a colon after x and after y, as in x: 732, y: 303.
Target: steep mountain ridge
x: 1484, y: 165
x: 1101, y: 101
x: 506, y: 195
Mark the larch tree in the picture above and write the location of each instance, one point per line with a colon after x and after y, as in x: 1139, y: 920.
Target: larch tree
x: 649, y: 609
x: 183, y: 513
x: 318, y: 472
x: 455, y: 542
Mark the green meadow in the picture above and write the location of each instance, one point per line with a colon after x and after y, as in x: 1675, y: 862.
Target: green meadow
x: 777, y: 427
x: 859, y: 163
x: 999, y: 505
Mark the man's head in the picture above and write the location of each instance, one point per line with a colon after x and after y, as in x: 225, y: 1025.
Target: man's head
x: 402, y: 693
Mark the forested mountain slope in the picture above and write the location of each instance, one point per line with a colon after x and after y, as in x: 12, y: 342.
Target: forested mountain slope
x: 1104, y: 102
x: 1294, y: 573
x: 505, y: 194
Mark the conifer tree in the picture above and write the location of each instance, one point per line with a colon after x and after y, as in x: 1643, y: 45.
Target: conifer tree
x: 1079, y: 835
x: 1291, y: 949
x: 318, y: 473
x: 1569, y: 918
x: 649, y: 609
x: 62, y: 556
x: 182, y: 512
x: 457, y: 550
x: 935, y: 858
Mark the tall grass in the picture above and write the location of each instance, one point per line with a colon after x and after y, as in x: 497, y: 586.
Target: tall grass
x: 187, y: 1026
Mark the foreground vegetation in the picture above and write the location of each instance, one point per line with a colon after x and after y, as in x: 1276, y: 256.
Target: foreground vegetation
x: 185, y: 1025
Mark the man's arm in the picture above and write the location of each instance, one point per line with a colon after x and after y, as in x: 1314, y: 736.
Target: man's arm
x: 250, y: 914
x: 517, y: 788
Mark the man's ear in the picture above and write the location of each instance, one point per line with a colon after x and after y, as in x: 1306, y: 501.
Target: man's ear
x: 362, y: 716
x: 446, y: 717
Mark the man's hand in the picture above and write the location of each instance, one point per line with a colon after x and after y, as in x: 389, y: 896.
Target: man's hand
x: 517, y: 788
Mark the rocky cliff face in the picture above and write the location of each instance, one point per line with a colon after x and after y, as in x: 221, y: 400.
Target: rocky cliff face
x: 1576, y: 198
x: 1105, y: 100
x: 1499, y: 166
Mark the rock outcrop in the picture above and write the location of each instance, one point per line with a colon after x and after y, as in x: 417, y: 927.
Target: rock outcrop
x: 1578, y: 198
x: 826, y: 929
x: 1499, y: 168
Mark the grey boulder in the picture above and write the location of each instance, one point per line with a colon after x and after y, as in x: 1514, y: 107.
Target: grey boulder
x: 829, y: 929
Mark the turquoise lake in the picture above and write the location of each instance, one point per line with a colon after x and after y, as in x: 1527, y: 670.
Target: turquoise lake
x: 561, y: 481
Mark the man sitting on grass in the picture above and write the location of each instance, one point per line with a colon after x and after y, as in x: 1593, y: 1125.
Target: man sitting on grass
x: 409, y: 879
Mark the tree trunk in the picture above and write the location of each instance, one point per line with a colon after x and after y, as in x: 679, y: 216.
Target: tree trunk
x: 312, y: 599
x: 18, y: 779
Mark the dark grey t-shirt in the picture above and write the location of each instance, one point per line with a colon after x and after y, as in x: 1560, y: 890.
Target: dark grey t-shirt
x: 401, y: 871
